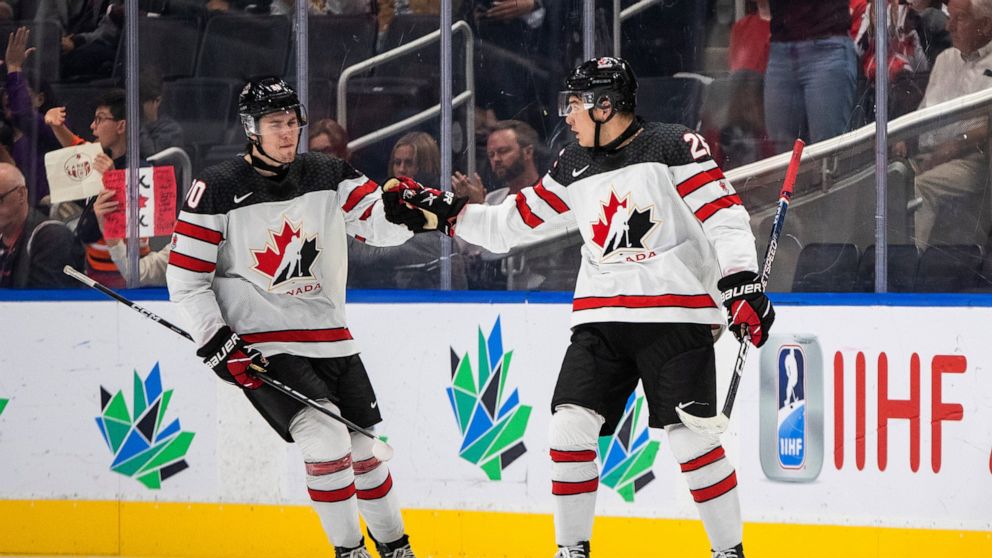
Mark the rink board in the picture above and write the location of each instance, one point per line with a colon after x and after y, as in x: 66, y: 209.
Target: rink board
x: 916, y: 483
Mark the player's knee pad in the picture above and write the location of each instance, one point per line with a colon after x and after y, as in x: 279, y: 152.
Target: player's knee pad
x: 688, y: 445
x: 574, y: 427
x: 320, y: 438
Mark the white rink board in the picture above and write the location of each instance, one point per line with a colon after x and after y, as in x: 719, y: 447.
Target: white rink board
x: 57, y: 354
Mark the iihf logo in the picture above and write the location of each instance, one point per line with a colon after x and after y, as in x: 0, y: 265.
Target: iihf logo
x: 623, y: 227
x: 791, y: 406
x: 288, y: 256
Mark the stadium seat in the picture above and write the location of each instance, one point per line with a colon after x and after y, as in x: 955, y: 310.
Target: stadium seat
x: 336, y: 42
x: 168, y: 44
x: 240, y: 47
x: 903, y: 260
x: 203, y: 107
x: 670, y: 99
x: 826, y: 267
x: 949, y: 268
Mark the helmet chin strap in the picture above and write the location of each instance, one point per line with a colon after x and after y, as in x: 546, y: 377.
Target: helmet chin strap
x: 633, y: 128
x: 280, y: 170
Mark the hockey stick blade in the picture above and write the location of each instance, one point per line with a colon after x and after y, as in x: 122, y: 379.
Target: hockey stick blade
x: 714, y: 426
x: 381, y: 450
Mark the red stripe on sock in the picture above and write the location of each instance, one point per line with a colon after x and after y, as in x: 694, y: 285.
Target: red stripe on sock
x: 562, y: 488
x: 715, y: 454
x: 560, y: 456
x: 338, y: 495
x: 715, y: 490
x: 377, y: 492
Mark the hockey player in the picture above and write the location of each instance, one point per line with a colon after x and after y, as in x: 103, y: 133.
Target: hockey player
x: 664, y: 235
x: 258, y: 268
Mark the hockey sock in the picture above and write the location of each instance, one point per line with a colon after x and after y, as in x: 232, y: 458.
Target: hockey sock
x: 376, y: 499
x: 712, y: 483
x: 326, y: 449
x: 574, y: 473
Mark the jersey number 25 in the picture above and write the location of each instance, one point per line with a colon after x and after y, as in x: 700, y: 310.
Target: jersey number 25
x: 697, y: 145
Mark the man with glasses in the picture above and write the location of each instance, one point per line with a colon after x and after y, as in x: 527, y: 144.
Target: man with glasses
x: 33, y: 250
x: 258, y: 268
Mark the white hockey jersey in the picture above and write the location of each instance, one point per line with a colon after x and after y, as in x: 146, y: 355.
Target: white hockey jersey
x: 660, y: 223
x: 269, y: 258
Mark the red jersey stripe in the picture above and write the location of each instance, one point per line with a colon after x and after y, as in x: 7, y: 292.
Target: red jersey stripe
x: 367, y: 213
x: 298, y: 335
x: 559, y: 456
x: 358, y: 194
x: 562, y: 488
x: 554, y: 201
x: 377, y: 492
x: 715, y: 490
x: 198, y: 232
x: 711, y: 456
x: 707, y: 211
x: 694, y: 183
x: 338, y: 495
x: 190, y: 263
x: 526, y: 214
x: 638, y: 301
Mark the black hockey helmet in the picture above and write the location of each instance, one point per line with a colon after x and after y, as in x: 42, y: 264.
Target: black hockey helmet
x: 600, y: 82
x: 265, y: 96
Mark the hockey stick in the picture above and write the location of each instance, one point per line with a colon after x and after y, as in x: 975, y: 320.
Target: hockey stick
x: 714, y: 426
x: 381, y: 450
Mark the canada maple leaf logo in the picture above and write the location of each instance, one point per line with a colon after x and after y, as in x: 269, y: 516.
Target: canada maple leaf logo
x: 287, y: 256
x: 622, y: 225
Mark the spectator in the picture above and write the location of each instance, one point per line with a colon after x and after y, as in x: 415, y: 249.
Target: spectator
x: 6, y: 12
x: 749, y: 39
x: 73, y: 16
x: 512, y: 158
x: 92, y: 54
x: 110, y: 129
x: 905, y: 57
x: 956, y: 174
x: 27, y: 99
x: 33, y: 250
x: 158, y: 131
x: 931, y: 26
x: 151, y: 266
x: 416, y: 155
x: 324, y: 7
x: 327, y: 136
x: 511, y: 150
x: 812, y: 71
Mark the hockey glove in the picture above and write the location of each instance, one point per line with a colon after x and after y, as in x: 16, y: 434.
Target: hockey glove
x: 440, y: 209
x: 398, y: 212
x: 750, y: 313
x: 229, y: 358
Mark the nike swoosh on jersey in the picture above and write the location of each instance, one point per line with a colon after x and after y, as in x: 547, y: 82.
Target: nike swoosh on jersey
x: 239, y: 199
x: 577, y: 172
x: 374, y: 404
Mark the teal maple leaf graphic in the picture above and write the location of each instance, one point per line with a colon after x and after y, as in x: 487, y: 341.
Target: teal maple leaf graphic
x: 492, y: 422
x: 3, y: 404
x: 627, y: 456
x: 142, y: 448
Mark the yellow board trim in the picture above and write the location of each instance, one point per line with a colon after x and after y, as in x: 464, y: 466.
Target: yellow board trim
x: 197, y: 530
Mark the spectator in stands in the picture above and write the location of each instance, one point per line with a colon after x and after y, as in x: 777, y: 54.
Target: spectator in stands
x: 812, y: 71
x: 511, y: 150
x: 6, y: 12
x: 158, y: 131
x: 956, y: 174
x: 905, y: 57
x: 327, y: 136
x: 27, y: 99
x: 73, y: 16
x: 416, y: 155
x: 33, y: 250
x: 749, y: 39
x: 324, y: 7
x: 151, y: 266
x: 110, y: 129
x: 931, y: 26
x: 92, y: 54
